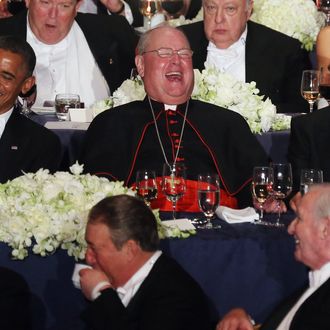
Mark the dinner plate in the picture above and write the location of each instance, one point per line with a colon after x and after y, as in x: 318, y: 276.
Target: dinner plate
x: 43, y: 110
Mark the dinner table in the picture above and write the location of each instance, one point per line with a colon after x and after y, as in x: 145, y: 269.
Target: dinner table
x: 241, y: 264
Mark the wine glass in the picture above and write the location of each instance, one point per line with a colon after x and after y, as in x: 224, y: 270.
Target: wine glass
x: 146, y: 185
x: 28, y: 100
x: 63, y: 102
x: 324, y: 83
x: 208, y: 196
x: 262, y: 183
x: 174, y: 183
x: 148, y: 8
x: 310, y: 86
x: 172, y: 8
x: 309, y: 177
x: 282, y: 186
x: 324, y: 6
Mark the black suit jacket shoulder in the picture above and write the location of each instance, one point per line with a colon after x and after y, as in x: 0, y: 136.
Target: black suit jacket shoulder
x: 312, y: 314
x: 167, y: 299
x: 27, y: 146
x: 273, y: 60
x: 111, y: 40
x: 308, y: 145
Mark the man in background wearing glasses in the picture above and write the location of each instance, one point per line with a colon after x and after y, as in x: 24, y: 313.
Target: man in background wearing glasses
x: 167, y: 126
x: 249, y: 52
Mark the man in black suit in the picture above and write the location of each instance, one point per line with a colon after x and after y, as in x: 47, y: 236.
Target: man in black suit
x: 76, y: 53
x: 24, y: 145
x: 308, y: 145
x: 250, y: 52
x: 170, y: 127
x: 133, y: 285
x: 308, y: 309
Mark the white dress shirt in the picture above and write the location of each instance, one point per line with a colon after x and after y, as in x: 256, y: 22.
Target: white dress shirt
x: 127, y: 292
x: 316, y: 279
x: 67, y: 67
x: 230, y: 60
x: 3, y: 120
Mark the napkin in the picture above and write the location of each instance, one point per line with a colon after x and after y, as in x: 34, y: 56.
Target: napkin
x: 237, y: 216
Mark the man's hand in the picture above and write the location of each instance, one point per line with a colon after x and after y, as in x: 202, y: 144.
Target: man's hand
x: 236, y: 319
x: 89, y: 279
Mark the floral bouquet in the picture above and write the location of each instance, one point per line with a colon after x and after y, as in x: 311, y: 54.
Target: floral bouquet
x: 44, y: 212
x: 222, y: 89
x: 299, y: 19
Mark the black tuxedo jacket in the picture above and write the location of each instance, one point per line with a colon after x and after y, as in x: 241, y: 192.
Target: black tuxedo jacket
x: 111, y: 40
x: 195, y: 6
x: 308, y: 146
x: 273, y: 60
x: 167, y: 299
x: 15, y: 299
x: 312, y: 314
x: 123, y: 140
x: 27, y: 146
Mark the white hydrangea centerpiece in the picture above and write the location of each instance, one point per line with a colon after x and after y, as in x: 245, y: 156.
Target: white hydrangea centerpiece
x: 299, y: 19
x: 41, y: 212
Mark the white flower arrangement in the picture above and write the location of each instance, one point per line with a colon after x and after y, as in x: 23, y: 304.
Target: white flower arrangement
x: 221, y: 89
x: 299, y: 19
x: 44, y: 212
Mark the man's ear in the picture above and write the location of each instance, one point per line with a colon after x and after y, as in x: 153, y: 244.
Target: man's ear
x: 139, y: 63
x: 28, y: 84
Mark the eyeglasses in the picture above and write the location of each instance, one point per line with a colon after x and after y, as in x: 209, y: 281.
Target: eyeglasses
x: 184, y: 53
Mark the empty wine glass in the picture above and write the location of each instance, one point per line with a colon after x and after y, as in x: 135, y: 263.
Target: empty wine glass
x: 309, y: 177
x: 148, y: 9
x: 310, y: 87
x: 174, y: 183
x: 208, y: 196
x: 282, y: 186
x: 262, y: 184
x: 172, y: 8
x: 146, y: 185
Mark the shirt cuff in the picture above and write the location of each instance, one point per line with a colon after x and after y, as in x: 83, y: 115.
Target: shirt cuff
x: 96, y: 292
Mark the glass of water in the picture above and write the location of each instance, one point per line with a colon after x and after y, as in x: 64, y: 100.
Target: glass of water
x: 63, y: 102
x: 309, y: 177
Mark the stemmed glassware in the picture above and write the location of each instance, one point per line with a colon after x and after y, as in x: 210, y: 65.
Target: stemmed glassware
x: 310, y: 86
x: 282, y: 186
x: 148, y: 9
x: 172, y: 8
x: 146, y: 185
x: 208, y: 196
x: 174, y: 183
x: 309, y: 177
x: 262, y: 185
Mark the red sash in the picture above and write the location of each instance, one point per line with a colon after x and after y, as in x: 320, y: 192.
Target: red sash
x: 189, y: 201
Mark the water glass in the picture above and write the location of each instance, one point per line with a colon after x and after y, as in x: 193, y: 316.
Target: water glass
x: 146, y: 185
x: 63, y: 102
x: 309, y: 177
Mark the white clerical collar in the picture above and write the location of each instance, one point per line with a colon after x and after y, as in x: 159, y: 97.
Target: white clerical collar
x: 170, y: 107
x: 232, y: 50
x: 128, y: 290
x: 319, y: 276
